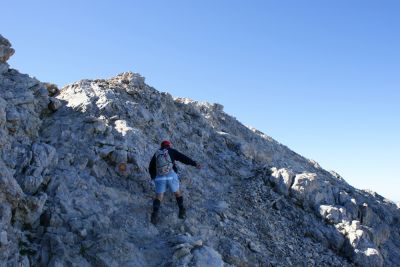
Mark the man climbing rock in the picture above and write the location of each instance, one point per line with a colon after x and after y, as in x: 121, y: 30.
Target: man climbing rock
x: 163, y: 171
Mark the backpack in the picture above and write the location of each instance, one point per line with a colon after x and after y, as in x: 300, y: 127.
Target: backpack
x: 163, y: 162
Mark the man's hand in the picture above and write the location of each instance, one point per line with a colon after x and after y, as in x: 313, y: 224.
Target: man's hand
x: 198, y: 166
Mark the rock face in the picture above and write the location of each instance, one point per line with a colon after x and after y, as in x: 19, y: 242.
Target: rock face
x: 25, y: 162
x: 5, y: 49
x: 75, y: 189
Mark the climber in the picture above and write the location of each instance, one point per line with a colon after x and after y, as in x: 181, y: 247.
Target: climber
x: 163, y: 171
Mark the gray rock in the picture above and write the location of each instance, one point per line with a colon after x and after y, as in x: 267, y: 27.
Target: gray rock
x: 54, y: 104
x: 105, y: 151
x: 352, y: 208
x: 24, y: 262
x: 206, y: 256
x: 312, y: 190
x: 30, y: 209
x: 119, y: 156
x: 381, y: 234
x: 254, y: 247
x: 3, y: 238
x: 369, y: 257
x: 232, y: 252
x: 31, y: 184
x: 56, y: 262
x: 331, y: 213
x: 3, y: 117
x: 44, y: 155
x: 282, y: 180
x: 9, y: 188
x: 335, y: 239
x: 12, y: 115
x: 5, y: 215
x: 3, y: 67
x: 5, y: 49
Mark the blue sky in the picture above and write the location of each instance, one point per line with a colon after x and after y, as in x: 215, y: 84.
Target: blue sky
x: 322, y: 77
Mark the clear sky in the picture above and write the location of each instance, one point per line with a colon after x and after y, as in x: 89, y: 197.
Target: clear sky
x: 322, y: 77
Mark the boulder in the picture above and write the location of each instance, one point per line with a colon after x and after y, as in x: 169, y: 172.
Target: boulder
x: 232, y: 252
x: 31, y: 184
x: 282, y: 179
x: 30, y: 209
x: 330, y: 213
x: 206, y: 256
x: 54, y: 104
x: 5, y: 49
x: 312, y: 190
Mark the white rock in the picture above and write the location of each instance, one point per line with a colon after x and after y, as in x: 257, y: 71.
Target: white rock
x: 282, y: 179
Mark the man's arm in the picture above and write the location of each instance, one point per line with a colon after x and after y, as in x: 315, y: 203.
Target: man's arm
x: 182, y: 158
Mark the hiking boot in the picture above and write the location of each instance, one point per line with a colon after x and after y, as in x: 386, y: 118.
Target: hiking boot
x: 182, y: 213
x: 155, y: 219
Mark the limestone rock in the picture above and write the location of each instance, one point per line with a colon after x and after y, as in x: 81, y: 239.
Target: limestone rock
x: 206, y: 256
x: 54, y: 104
x: 5, y: 49
x: 30, y: 209
x: 254, y: 247
x: 282, y: 180
x: 233, y: 252
x: 332, y: 214
x: 5, y: 215
x: 312, y: 190
x: 3, y: 67
x: 31, y: 184
x: 3, y: 238
x: 43, y: 156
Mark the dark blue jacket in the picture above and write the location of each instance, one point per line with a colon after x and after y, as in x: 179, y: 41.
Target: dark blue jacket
x: 175, y: 156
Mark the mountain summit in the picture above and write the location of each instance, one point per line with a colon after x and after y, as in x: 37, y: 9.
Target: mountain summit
x: 75, y: 189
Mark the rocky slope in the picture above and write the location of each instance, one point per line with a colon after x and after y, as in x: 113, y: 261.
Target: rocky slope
x: 75, y: 189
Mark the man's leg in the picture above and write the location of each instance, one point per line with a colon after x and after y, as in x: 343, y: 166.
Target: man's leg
x: 179, y: 201
x: 157, y: 202
x: 159, y: 196
x: 178, y: 195
x: 160, y: 189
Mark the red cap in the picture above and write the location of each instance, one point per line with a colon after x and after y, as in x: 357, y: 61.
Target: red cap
x: 165, y: 143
